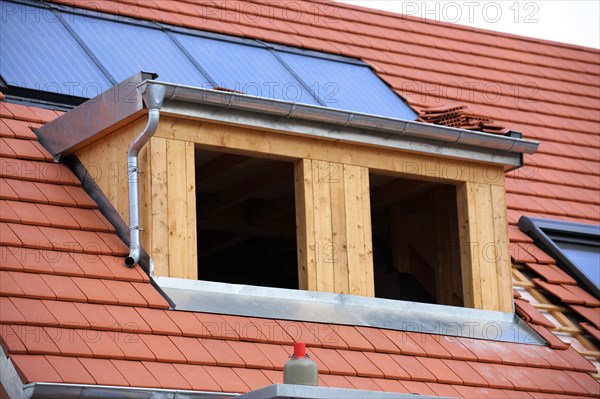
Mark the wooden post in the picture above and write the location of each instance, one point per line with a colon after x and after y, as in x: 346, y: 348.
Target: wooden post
x: 334, y: 228
x: 181, y: 210
x: 485, y: 262
x: 157, y: 196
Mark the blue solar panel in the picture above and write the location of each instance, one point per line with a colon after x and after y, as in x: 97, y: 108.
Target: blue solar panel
x: 348, y: 86
x: 37, y: 52
x: 85, y: 54
x: 125, y: 49
x: 249, y: 69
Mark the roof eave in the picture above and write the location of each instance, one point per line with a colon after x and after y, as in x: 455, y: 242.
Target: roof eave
x: 43, y: 390
x: 124, y: 102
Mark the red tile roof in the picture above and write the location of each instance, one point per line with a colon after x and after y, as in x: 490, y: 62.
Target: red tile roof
x: 62, y: 276
x: 79, y: 316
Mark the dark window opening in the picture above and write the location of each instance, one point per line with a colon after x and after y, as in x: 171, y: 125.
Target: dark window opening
x: 415, y: 241
x: 246, y: 220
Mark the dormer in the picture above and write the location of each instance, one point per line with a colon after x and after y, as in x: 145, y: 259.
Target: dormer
x: 246, y: 190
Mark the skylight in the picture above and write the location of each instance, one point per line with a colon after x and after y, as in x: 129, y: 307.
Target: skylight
x: 74, y: 52
x: 575, y: 246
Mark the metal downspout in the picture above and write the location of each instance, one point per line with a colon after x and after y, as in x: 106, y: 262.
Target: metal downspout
x: 153, y: 97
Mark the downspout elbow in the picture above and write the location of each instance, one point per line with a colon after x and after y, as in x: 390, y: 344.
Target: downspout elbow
x: 153, y: 98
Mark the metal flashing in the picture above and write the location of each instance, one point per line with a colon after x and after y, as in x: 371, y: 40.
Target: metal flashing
x: 324, y: 307
x: 287, y: 391
x: 94, y: 119
x: 9, y: 378
x: 123, y: 103
x: 112, y: 215
x: 44, y: 390
x: 337, y: 124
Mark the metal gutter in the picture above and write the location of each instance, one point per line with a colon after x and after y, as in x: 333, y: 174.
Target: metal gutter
x: 329, y: 308
x: 153, y: 99
x: 122, y: 103
x: 335, y: 124
x: 44, y: 390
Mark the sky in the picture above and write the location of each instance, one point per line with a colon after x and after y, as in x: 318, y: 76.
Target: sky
x: 575, y: 21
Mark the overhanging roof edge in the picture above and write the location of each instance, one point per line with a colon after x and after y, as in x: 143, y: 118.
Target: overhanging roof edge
x: 91, y: 120
x: 46, y: 390
x: 42, y: 390
x: 448, y: 136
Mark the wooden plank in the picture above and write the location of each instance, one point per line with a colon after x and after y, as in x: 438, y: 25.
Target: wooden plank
x: 285, y: 146
x: 367, y: 233
x: 159, y: 251
x: 486, y: 247
x: 177, y: 210
x: 325, y: 255
x: 549, y: 307
x: 467, y: 231
x: 503, y: 262
x: 106, y: 159
x: 305, y: 228
x: 354, y: 230
x: 190, y: 174
x: 338, y: 225
x: 591, y: 353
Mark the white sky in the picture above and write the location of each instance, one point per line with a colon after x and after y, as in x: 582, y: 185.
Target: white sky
x: 576, y: 21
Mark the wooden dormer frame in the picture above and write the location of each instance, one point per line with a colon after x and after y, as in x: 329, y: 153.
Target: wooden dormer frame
x: 168, y: 202
x: 353, y: 144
